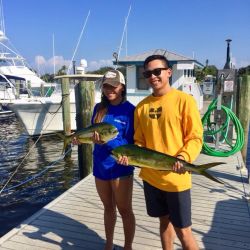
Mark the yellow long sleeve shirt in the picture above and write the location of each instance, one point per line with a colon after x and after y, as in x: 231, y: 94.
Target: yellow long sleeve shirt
x: 169, y: 124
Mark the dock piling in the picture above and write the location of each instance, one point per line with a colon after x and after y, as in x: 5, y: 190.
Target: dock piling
x: 85, y: 96
x: 244, y: 111
x: 66, y: 109
x: 84, y: 105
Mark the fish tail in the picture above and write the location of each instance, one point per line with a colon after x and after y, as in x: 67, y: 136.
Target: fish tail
x: 209, y: 176
x: 66, y: 140
x: 209, y: 165
x: 202, y: 170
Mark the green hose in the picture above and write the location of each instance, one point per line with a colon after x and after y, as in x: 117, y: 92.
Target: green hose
x: 223, y: 130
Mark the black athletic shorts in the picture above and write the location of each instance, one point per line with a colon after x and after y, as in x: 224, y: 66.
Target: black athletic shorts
x: 175, y: 204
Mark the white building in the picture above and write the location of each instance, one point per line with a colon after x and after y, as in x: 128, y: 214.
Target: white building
x: 182, y: 78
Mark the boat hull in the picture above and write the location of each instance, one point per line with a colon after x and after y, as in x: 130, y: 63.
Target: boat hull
x: 42, y: 118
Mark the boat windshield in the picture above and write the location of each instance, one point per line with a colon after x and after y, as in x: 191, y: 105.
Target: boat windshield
x: 10, y: 62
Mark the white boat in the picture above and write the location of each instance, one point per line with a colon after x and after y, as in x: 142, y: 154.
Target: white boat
x: 20, y: 90
x: 17, y: 80
x: 43, y: 115
x: 9, y: 85
x: 8, y: 93
x: 12, y: 64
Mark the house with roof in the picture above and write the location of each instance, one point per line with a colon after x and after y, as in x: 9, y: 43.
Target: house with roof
x: 182, y: 78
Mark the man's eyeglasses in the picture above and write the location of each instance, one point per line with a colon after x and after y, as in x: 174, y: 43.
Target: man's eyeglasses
x: 156, y: 72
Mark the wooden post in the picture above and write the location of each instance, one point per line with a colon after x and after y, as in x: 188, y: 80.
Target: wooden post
x: 84, y: 93
x: 237, y: 99
x: 244, y: 111
x: 66, y: 109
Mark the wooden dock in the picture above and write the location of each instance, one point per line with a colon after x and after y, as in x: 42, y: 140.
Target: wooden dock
x: 220, y: 214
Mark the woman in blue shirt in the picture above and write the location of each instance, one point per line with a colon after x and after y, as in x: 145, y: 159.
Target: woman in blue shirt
x: 114, y: 182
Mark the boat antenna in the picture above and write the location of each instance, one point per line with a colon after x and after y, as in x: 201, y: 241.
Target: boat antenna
x: 123, y: 33
x: 79, y: 39
x: 2, y: 19
x: 54, y: 63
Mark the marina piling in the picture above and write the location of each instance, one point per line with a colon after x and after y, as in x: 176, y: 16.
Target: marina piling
x: 84, y: 105
x: 66, y: 108
x: 244, y: 110
x: 85, y: 97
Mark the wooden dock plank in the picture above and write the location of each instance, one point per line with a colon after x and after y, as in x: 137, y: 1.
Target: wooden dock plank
x: 74, y: 220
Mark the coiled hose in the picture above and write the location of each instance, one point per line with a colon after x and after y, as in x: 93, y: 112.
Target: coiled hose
x: 223, y: 130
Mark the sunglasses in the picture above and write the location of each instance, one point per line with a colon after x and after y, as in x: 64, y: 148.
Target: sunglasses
x: 156, y: 72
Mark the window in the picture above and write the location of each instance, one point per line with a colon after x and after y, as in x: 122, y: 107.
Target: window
x: 142, y: 83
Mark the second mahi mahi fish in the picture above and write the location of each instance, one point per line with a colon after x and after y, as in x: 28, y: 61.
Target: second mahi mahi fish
x: 106, y: 131
x: 147, y: 158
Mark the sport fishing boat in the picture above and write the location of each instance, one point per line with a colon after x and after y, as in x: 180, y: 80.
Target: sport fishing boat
x: 43, y: 115
x: 39, y: 114
x: 17, y: 80
x: 13, y: 65
x: 8, y: 92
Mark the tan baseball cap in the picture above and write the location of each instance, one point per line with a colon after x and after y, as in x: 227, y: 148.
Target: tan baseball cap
x: 113, y: 77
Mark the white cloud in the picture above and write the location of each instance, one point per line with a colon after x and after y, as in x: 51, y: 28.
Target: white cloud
x: 94, y: 65
x: 40, y: 60
x: 47, y: 66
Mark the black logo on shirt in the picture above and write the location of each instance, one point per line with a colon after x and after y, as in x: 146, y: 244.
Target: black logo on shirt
x: 155, y: 113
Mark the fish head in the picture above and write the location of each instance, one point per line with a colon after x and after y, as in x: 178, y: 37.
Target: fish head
x: 108, y: 132
x: 124, y: 150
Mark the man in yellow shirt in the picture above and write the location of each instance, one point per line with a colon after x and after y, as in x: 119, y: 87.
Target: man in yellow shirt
x: 168, y: 121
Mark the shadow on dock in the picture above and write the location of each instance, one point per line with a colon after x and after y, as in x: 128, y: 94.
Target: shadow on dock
x: 76, y: 236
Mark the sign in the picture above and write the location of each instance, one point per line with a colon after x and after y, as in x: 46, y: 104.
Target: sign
x: 228, y: 86
x: 208, y: 88
x: 227, y: 81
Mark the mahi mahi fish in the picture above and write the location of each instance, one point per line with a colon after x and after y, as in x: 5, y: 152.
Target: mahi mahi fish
x: 106, y: 131
x: 147, y: 158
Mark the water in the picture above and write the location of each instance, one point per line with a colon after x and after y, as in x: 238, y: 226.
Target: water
x: 21, y: 202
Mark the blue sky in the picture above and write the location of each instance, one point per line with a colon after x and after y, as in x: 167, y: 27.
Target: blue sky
x: 188, y: 27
